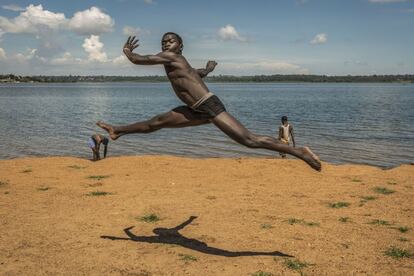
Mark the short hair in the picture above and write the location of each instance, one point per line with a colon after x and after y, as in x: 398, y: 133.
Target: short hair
x: 284, y: 118
x: 176, y: 35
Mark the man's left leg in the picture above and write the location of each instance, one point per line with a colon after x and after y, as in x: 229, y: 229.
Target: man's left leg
x: 235, y: 130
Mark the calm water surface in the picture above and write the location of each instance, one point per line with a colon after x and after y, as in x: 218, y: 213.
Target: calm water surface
x: 343, y: 123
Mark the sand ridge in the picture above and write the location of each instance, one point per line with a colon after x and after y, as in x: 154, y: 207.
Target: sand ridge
x: 250, y: 213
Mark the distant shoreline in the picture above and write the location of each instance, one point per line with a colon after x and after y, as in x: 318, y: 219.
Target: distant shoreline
x: 408, y: 78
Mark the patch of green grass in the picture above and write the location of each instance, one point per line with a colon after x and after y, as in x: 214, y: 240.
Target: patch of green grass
x: 398, y: 253
x: 344, y: 219
x: 76, y: 167
x: 339, y: 204
x: 261, y: 273
x: 368, y: 198
x: 383, y: 190
x: 142, y: 272
x: 98, y: 193
x: 97, y: 184
x: 345, y: 245
x: 26, y: 171
x: 151, y: 218
x: 292, y: 221
x: 98, y: 177
x: 43, y: 189
x: 364, y: 199
x: 403, y: 239
x: 403, y: 229
x: 379, y: 222
x: 3, y: 183
x: 266, y: 226
x: 187, y: 257
x: 311, y: 223
x: 295, y: 264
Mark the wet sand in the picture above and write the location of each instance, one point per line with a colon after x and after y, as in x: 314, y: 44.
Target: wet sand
x: 67, y: 216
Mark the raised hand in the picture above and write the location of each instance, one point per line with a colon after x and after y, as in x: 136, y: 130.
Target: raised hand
x: 131, y: 43
x: 211, y: 64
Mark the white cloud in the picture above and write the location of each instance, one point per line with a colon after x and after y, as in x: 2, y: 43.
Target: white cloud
x: 65, y: 59
x: 149, y: 2
x: 91, y: 21
x: 2, y: 54
x: 131, y: 31
x: 228, y: 32
x: 386, y: 1
x: 32, y: 20
x: 35, y: 20
x: 30, y: 54
x: 121, y: 60
x: 262, y: 67
x: 320, y: 39
x: 94, y: 48
x: 13, y: 7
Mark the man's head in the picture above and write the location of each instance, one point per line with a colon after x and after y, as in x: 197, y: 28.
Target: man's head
x: 284, y: 119
x: 172, y: 42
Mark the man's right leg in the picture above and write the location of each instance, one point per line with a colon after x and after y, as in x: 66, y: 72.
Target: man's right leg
x: 181, y: 116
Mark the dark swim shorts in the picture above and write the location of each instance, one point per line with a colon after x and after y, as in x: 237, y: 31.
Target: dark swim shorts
x: 211, y: 107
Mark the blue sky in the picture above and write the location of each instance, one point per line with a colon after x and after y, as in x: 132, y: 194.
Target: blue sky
x: 246, y: 37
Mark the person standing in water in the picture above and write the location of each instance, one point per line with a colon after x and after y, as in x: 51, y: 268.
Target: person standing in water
x: 201, y: 105
x: 285, y: 132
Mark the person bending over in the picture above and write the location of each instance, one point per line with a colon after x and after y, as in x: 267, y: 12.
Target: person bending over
x: 94, y: 143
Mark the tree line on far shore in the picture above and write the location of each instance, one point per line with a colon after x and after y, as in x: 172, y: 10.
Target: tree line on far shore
x: 219, y: 78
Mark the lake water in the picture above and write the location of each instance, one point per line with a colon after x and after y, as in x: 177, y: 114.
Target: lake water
x: 343, y: 123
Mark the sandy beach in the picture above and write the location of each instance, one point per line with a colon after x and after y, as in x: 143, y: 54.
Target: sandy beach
x: 163, y: 215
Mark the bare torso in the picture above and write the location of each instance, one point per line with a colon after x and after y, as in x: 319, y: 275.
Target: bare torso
x: 186, y: 82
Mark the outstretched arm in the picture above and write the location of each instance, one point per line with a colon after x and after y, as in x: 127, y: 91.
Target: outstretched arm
x: 184, y: 224
x: 293, y: 137
x: 132, y: 43
x: 203, y: 72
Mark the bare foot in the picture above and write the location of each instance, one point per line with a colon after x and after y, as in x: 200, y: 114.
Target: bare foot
x: 311, y: 158
x: 109, y: 129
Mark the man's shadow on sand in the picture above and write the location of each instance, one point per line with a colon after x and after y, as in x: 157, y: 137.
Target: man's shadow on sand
x: 172, y: 236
